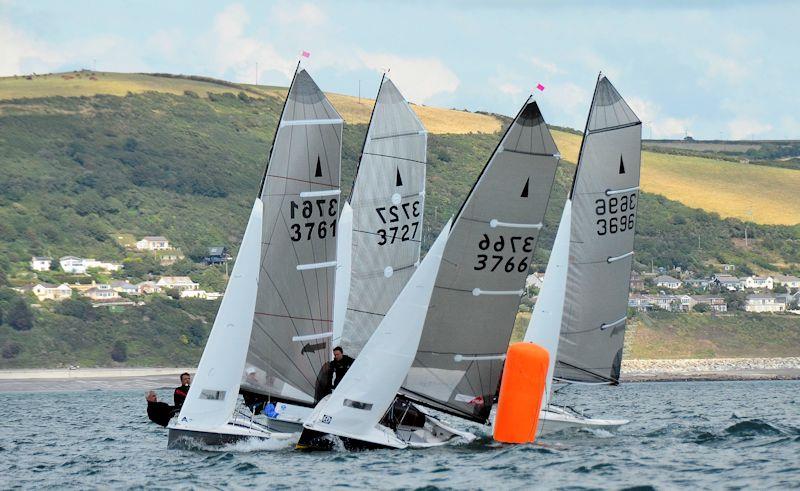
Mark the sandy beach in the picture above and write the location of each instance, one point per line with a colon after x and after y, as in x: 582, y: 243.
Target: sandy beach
x: 54, y: 380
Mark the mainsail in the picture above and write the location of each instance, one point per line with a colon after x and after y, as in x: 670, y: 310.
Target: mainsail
x: 604, y: 199
x: 292, y: 324
x: 387, y: 199
x: 471, y: 314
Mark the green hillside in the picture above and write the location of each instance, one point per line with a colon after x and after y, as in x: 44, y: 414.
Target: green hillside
x: 81, y: 172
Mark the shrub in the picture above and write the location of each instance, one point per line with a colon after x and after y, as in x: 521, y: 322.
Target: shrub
x: 119, y: 352
x: 11, y: 349
x: 20, y: 316
x: 701, y: 307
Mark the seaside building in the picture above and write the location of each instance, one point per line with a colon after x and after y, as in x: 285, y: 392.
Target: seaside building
x: 764, y: 302
x: 153, y: 243
x: 41, y: 263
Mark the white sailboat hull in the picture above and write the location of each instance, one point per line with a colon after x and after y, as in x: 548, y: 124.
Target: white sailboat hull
x: 553, y: 419
x: 185, y: 436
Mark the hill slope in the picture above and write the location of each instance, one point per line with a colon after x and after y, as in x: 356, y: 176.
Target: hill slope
x: 79, y: 172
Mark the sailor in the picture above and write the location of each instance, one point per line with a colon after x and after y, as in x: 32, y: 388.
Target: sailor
x: 339, y: 366
x: 182, y: 391
x: 158, y: 412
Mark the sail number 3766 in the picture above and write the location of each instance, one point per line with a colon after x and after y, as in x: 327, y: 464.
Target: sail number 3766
x: 316, y: 213
x: 500, y: 253
x: 615, y: 214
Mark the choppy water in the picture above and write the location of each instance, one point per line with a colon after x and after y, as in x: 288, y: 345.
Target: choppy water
x: 701, y: 434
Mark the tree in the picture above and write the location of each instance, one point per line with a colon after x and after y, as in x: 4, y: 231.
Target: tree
x: 119, y: 352
x: 80, y: 308
x: 20, y: 316
x: 780, y: 288
x: 701, y: 307
x: 11, y: 349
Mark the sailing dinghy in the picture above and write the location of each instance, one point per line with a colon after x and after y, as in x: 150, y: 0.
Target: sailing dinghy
x: 579, y: 317
x: 271, y: 338
x: 448, y: 331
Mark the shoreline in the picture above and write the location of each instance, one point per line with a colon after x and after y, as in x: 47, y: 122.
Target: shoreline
x: 144, y: 378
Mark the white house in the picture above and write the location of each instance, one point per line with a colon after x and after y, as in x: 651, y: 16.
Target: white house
x: 72, y: 264
x: 101, y: 292
x: 786, y: 280
x: 147, y: 287
x: 107, y: 266
x: 764, y: 303
x: 717, y: 304
x: 41, y: 263
x: 728, y: 282
x: 153, y: 243
x: 535, y: 280
x: 666, y: 281
x: 177, y: 283
x: 759, y: 282
x: 194, y: 294
x: 121, y: 286
x: 46, y: 291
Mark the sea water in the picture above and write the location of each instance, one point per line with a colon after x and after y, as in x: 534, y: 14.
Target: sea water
x: 682, y: 434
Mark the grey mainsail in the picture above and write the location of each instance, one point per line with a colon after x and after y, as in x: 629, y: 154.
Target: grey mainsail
x: 471, y: 313
x: 604, y: 198
x: 387, y: 200
x: 292, y: 324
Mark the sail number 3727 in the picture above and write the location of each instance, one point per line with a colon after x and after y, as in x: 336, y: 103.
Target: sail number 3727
x: 316, y: 214
x: 394, y: 230
x: 615, y: 214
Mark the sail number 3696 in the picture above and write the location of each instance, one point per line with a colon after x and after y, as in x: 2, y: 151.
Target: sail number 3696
x: 621, y: 210
x: 315, y: 212
x: 505, y: 247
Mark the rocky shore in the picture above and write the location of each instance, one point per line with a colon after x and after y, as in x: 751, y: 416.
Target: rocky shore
x: 711, y: 369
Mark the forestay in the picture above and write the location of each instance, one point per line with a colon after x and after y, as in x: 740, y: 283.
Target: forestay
x: 213, y: 395
x: 604, y: 198
x: 388, y: 199
x: 474, y: 303
x: 292, y: 325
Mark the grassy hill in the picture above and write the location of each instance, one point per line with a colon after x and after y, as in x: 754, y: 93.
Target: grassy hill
x: 83, y: 172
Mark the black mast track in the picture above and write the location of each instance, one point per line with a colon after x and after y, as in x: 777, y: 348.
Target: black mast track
x: 486, y: 166
x: 366, y: 135
x: 277, y: 128
x: 585, y: 134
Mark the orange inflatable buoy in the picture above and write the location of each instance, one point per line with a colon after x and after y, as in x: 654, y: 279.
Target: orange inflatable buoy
x: 521, y: 393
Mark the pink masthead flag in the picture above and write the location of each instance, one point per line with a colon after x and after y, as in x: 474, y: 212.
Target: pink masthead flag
x: 540, y: 87
x: 305, y: 54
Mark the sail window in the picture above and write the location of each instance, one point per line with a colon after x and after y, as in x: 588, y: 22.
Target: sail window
x: 366, y: 406
x: 212, y: 395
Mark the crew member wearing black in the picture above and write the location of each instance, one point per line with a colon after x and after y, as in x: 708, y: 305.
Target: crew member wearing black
x: 158, y: 412
x: 182, y: 391
x: 339, y: 366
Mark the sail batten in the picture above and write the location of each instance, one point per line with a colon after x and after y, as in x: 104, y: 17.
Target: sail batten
x: 604, y: 204
x: 471, y: 315
x: 388, y: 202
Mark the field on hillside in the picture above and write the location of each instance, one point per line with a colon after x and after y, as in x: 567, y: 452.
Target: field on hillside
x: 664, y: 335
x: 759, y: 194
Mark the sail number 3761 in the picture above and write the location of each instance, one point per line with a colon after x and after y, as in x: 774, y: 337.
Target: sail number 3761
x: 615, y: 214
x: 316, y: 213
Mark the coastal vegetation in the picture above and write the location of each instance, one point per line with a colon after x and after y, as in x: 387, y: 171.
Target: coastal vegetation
x: 87, y: 164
